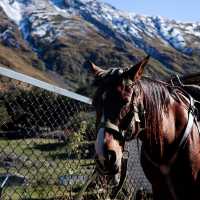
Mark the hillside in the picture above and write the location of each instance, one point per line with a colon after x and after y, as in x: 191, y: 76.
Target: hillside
x: 59, y: 35
x: 16, y: 54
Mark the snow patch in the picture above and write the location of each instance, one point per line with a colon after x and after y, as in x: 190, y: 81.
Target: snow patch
x: 13, y: 10
x: 132, y: 26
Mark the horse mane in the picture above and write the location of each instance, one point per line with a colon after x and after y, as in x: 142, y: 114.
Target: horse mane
x: 156, y: 99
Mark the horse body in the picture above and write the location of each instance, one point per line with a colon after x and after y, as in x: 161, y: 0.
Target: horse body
x: 175, y: 174
x: 158, y: 114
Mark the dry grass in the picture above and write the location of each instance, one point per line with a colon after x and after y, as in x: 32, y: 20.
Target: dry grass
x: 14, y: 59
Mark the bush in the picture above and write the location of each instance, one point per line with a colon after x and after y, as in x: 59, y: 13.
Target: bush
x: 76, y: 141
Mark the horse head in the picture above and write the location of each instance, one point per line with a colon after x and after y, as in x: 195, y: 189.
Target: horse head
x: 113, y: 101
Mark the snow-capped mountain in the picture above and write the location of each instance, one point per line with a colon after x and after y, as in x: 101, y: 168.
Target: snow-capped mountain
x: 96, y: 30
x: 129, y: 25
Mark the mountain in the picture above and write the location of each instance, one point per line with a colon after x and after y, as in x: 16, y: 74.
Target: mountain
x: 15, y: 53
x: 62, y: 34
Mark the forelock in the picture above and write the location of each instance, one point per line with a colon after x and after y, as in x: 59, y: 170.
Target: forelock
x: 109, y: 77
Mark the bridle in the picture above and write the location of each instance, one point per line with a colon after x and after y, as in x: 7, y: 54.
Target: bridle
x: 114, y: 130
x: 135, y: 114
x: 118, y: 134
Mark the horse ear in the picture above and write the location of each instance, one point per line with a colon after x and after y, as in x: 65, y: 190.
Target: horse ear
x: 97, y: 71
x: 136, y: 71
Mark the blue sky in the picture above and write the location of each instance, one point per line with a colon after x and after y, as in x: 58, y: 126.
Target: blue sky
x: 182, y: 10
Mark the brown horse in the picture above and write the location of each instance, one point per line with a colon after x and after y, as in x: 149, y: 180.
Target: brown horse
x: 162, y: 116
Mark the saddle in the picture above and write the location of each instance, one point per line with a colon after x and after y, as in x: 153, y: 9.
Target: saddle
x: 191, y: 89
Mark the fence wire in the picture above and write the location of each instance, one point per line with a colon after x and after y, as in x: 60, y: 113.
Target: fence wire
x: 47, y: 148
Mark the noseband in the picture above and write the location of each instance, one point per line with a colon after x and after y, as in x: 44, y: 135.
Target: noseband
x: 114, y: 130
x: 117, y: 134
x: 135, y: 115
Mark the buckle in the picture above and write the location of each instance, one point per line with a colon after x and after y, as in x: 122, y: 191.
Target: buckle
x: 125, y: 154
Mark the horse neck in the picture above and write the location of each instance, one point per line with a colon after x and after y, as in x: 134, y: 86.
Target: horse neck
x: 156, y: 100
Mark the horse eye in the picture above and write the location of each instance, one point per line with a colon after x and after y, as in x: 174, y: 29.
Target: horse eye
x: 127, y: 82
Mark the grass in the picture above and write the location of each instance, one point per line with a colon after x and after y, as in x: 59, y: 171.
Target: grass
x: 36, y: 192
x: 41, y: 168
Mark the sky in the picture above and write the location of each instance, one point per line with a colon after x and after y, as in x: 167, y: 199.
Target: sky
x: 180, y: 10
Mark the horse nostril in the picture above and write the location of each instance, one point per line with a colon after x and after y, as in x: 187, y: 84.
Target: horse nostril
x: 111, y: 156
x: 116, y: 179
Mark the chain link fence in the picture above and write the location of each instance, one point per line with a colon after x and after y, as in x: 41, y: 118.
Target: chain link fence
x: 47, y: 139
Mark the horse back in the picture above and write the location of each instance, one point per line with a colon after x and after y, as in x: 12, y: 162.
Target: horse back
x: 190, y: 85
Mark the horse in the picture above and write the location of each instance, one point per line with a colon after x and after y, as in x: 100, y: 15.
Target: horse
x: 161, y: 115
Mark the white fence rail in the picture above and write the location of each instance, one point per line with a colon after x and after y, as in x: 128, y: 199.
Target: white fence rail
x: 41, y: 84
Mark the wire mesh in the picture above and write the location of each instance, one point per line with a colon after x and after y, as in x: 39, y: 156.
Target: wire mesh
x: 47, y: 148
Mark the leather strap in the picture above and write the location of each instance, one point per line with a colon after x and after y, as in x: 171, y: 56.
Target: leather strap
x: 113, y: 129
x: 109, y: 124
x: 189, y: 124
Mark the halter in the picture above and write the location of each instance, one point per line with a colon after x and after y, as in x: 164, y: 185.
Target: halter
x: 118, y: 135
x: 114, y: 130
x: 136, y: 115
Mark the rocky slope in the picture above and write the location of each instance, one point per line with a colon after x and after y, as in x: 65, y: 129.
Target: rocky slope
x: 16, y: 54
x: 64, y: 33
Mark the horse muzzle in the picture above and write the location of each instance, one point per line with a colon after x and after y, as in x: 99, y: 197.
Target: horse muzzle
x: 113, y: 172
x: 107, y: 168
